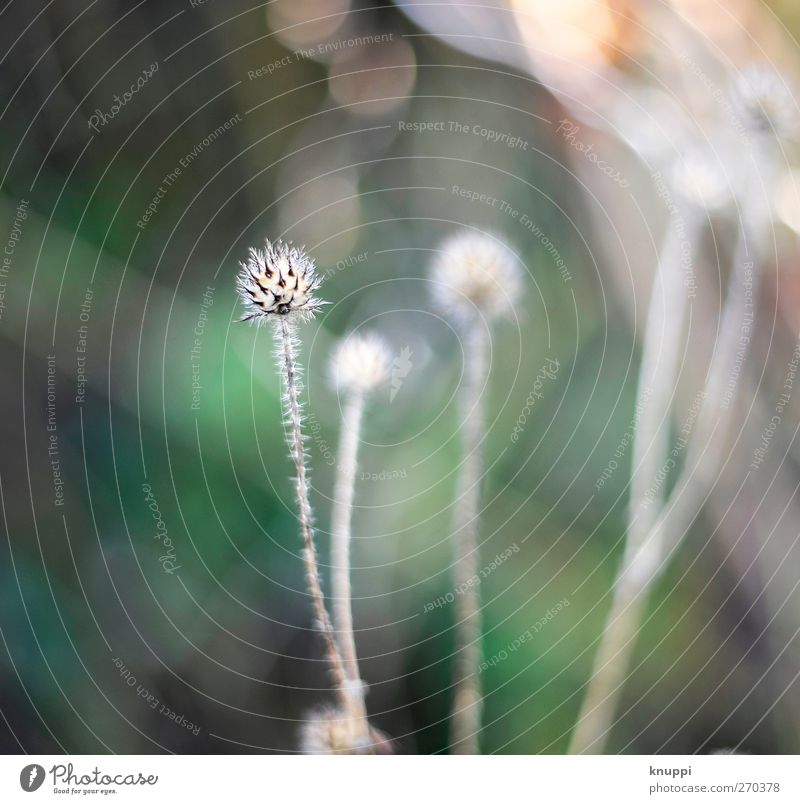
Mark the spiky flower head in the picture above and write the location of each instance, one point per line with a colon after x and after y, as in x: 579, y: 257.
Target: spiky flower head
x: 360, y: 363
x: 278, y: 280
x: 475, y: 273
x: 765, y: 101
x: 331, y: 731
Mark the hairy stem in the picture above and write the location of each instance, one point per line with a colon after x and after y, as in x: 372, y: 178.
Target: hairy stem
x: 292, y: 383
x: 341, y: 518
x: 467, y: 705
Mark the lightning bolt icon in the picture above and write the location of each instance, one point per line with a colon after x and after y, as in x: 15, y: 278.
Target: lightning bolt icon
x: 401, y: 366
x: 34, y: 773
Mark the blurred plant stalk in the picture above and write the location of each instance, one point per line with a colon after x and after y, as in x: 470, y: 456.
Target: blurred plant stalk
x: 341, y: 517
x: 657, y: 375
x: 359, y: 365
x: 468, y: 702
x: 475, y: 279
x: 654, y: 531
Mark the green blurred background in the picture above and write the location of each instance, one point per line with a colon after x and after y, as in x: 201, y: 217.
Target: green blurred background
x: 183, y: 402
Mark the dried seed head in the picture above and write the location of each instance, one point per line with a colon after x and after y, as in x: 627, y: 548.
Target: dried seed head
x: 331, y: 731
x: 765, y: 101
x: 278, y: 280
x: 361, y: 363
x: 475, y: 273
x: 700, y: 180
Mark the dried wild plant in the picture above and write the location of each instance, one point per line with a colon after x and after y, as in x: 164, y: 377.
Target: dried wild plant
x: 359, y: 366
x: 278, y: 283
x: 336, y: 731
x: 656, y: 527
x: 699, y: 190
x: 475, y: 280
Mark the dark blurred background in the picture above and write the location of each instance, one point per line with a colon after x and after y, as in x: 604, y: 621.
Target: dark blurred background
x: 151, y: 585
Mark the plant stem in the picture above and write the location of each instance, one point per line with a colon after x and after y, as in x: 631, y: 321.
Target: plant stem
x: 610, y: 669
x: 341, y: 518
x: 292, y: 384
x: 467, y: 705
x: 715, y: 421
x: 657, y: 377
x: 653, y: 537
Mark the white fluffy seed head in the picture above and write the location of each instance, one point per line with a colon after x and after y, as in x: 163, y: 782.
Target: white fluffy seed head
x: 331, y: 731
x: 278, y: 280
x: 475, y: 273
x: 361, y: 363
x: 700, y: 180
x: 765, y: 102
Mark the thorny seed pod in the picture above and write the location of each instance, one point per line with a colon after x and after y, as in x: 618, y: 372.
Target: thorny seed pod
x: 278, y: 280
x: 475, y: 273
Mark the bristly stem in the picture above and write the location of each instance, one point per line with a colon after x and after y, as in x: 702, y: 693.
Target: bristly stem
x: 468, y: 704
x: 291, y: 379
x: 341, y: 518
